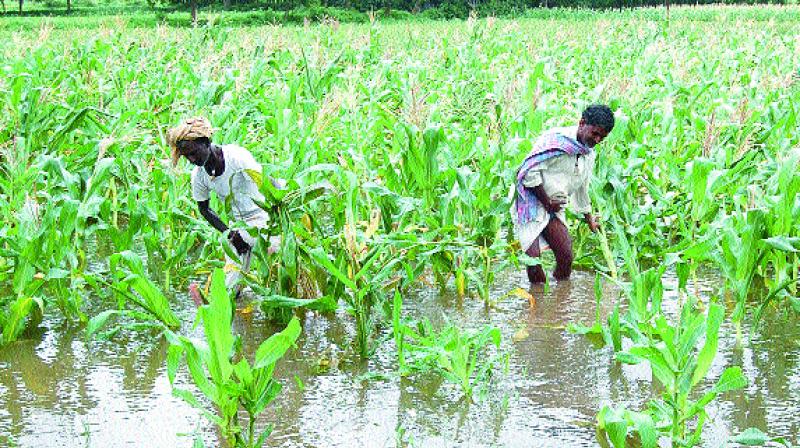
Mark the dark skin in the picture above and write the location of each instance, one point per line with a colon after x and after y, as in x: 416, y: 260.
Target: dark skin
x: 555, y: 233
x: 201, y: 152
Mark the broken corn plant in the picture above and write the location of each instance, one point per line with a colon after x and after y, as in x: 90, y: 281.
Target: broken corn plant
x: 132, y: 284
x: 462, y: 357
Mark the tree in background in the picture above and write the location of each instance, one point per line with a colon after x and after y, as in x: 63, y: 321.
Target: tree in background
x: 438, y: 8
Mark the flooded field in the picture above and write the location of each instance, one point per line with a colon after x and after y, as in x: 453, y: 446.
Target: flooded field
x: 58, y: 391
x: 399, y: 142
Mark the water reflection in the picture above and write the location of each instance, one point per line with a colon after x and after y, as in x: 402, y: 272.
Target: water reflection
x: 60, y: 392
x: 43, y: 371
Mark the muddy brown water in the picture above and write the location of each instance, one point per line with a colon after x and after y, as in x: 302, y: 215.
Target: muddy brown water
x: 58, y: 391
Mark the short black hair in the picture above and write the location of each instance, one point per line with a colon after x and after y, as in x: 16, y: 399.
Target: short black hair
x: 599, y: 115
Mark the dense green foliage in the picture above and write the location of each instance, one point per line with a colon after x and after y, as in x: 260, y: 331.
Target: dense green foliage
x: 349, y: 10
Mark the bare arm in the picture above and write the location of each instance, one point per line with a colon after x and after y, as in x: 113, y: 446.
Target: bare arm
x: 548, y: 205
x: 210, y: 216
x: 234, y: 237
x: 591, y: 220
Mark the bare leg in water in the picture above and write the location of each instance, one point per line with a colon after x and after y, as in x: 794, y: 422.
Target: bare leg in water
x: 535, y: 273
x: 560, y: 242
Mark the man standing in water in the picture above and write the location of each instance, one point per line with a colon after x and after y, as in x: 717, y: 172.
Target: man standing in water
x: 557, y: 172
x: 221, y: 169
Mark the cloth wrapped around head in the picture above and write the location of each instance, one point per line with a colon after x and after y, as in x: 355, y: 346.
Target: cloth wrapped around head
x: 190, y: 129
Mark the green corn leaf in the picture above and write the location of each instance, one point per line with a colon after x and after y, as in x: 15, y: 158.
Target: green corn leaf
x: 658, y: 364
x: 99, y: 321
x: 174, y: 353
x: 271, y: 350
x: 612, y: 421
x: 731, y: 379
x: 14, y: 323
x: 645, y: 427
x: 216, y: 317
x: 709, y: 350
x: 784, y: 243
x: 152, y: 299
x: 263, y: 437
x: 321, y: 257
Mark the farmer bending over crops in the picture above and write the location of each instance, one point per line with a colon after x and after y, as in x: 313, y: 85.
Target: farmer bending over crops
x: 221, y: 169
x: 557, y: 172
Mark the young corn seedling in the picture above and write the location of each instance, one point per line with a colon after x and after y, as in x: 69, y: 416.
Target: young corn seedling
x: 222, y: 373
x: 459, y: 356
x: 679, y: 364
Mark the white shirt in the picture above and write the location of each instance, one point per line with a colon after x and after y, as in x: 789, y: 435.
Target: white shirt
x: 563, y: 177
x: 234, y: 179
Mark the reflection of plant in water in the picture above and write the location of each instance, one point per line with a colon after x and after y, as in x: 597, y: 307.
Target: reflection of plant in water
x: 401, y: 439
x: 223, y: 375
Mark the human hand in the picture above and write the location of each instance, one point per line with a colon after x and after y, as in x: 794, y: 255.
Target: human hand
x: 553, y: 205
x: 592, y: 221
x: 280, y: 184
x: 238, y: 242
